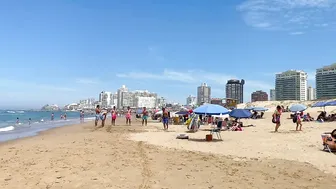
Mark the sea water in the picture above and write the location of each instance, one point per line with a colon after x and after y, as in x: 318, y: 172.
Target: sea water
x: 40, y: 121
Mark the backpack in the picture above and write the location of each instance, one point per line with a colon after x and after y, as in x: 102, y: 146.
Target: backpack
x: 294, y: 118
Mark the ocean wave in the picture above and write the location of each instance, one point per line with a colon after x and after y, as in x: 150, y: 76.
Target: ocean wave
x: 10, y: 112
x: 9, y: 128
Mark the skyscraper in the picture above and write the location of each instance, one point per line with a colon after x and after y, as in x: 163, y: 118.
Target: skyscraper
x: 326, y: 82
x: 272, y: 94
x: 120, y: 95
x: 203, y: 94
x: 291, y: 85
x: 311, y: 93
x: 235, y: 90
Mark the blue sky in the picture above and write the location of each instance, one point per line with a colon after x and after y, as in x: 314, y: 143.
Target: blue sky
x: 60, y: 51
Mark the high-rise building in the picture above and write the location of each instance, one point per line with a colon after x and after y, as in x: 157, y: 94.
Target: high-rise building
x: 105, y: 99
x: 259, y: 96
x: 235, y: 90
x: 272, y: 94
x: 203, y: 94
x: 326, y: 82
x: 311, y: 93
x: 291, y: 85
x: 191, y: 101
x: 120, y: 96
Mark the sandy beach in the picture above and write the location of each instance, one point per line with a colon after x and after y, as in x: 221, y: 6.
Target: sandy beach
x: 79, y: 156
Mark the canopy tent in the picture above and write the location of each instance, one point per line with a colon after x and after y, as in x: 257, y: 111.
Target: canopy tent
x: 319, y: 104
x: 211, y: 109
x: 331, y: 103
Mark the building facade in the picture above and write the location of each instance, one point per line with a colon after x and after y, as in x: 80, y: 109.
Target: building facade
x: 218, y: 101
x: 311, y: 93
x: 326, y: 82
x: 191, y: 101
x: 120, y: 92
x: 291, y: 85
x: 148, y: 102
x: 203, y: 94
x: 272, y: 95
x: 259, y: 96
x: 235, y: 90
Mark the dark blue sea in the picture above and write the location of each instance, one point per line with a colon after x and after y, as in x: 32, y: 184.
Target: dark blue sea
x: 40, y: 121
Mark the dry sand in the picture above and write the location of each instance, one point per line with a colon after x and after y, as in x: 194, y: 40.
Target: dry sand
x: 80, y: 157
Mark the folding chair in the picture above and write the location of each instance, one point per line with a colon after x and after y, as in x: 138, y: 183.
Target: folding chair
x: 217, y: 130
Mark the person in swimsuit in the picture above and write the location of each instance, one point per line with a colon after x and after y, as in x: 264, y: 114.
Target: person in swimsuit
x: 52, y: 116
x: 144, y: 116
x: 128, y: 116
x: 165, y: 118
x: 298, y: 121
x: 29, y: 121
x: 65, y: 116
x: 113, y: 115
x: 98, y: 116
x: 276, y: 117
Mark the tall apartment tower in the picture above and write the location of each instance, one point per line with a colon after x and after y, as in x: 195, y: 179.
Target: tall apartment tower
x: 272, y: 94
x: 120, y: 96
x: 326, y: 82
x: 291, y: 85
x: 311, y: 93
x: 203, y: 94
x: 235, y: 90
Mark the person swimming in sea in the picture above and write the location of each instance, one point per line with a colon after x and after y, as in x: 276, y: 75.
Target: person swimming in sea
x: 17, y: 120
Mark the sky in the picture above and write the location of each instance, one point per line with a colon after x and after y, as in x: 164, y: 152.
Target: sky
x: 61, y: 51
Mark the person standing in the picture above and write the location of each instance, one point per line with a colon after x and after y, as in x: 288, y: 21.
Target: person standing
x: 98, y: 116
x: 17, y: 120
x: 113, y: 115
x: 298, y: 121
x: 81, y: 117
x: 65, y: 116
x: 128, y: 116
x: 165, y: 118
x: 144, y: 116
x: 29, y: 121
x: 52, y: 116
x: 276, y: 117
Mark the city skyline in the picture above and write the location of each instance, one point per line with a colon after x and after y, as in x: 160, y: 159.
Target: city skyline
x: 169, y: 48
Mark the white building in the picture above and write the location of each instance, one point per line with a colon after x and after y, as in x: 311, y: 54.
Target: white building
x: 148, y: 102
x: 105, y: 99
x: 120, y: 92
x: 311, y: 93
x: 191, y: 101
x: 272, y: 95
x: 291, y: 85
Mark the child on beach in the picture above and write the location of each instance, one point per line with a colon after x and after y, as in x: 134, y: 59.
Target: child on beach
x: 276, y: 117
x: 128, y: 116
x: 298, y: 121
x: 113, y: 115
x: 144, y: 116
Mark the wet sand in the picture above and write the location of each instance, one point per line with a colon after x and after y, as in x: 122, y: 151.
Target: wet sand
x: 81, y: 157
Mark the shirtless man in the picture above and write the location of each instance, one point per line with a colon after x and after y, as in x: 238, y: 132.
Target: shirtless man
x: 144, y: 116
x: 98, y: 116
x: 165, y: 118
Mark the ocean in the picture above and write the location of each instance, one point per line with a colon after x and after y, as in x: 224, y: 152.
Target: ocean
x: 40, y: 121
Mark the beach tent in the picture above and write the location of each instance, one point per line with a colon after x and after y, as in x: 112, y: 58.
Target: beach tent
x: 211, y: 109
x: 319, y: 104
x: 331, y: 103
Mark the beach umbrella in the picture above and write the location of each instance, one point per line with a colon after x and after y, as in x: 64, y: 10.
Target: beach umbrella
x: 248, y: 108
x: 259, y: 109
x: 319, y: 104
x: 211, y: 109
x: 331, y: 103
x: 298, y: 108
x: 182, y: 113
x: 158, y: 112
x: 240, y: 113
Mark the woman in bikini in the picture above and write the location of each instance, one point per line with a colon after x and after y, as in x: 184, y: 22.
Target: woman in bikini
x: 144, y: 116
x: 128, y: 116
x: 113, y: 115
x: 276, y: 117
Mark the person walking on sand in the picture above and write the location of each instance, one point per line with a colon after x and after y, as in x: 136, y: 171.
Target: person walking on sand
x: 128, y: 116
x: 113, y: 115
x: 276, y: 117
x: 165, y: 118
x: 144, y: 116
x: 298, y: 121
x: 98, y: 116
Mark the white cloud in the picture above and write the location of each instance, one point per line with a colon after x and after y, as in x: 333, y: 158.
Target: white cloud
x: 33, y: 86
x: 296, y: 33
x: 196, y: 77
x: 288, y: 15
x: 87, y: 81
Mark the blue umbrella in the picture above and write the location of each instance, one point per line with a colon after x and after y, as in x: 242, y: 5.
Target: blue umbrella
x: 331, y: 103
x: 249, y: 108
x: 259, y: 109
x: 211, y: 109
x: 240, y: 113
x: 298, y: 108
x: 319, y: 104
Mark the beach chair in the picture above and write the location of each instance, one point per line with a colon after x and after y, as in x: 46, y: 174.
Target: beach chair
x: 217, y: 130
x: 325, y: 139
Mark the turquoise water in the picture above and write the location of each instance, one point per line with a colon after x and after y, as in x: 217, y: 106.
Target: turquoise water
x: 11, y: 129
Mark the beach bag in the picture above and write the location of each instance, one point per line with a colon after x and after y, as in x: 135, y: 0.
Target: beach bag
x: 294, y: 119
x: 273, y: 118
